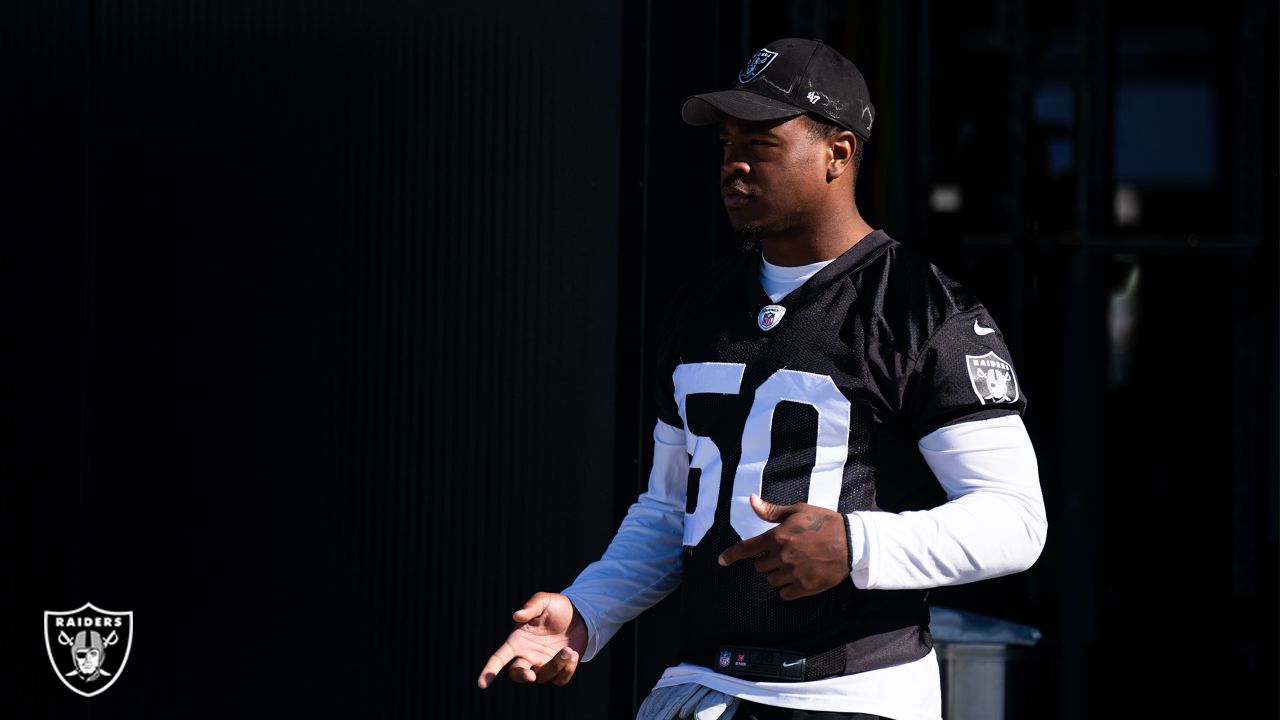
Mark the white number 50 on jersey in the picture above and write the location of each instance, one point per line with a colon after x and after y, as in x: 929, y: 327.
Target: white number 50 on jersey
x: 817, y: 391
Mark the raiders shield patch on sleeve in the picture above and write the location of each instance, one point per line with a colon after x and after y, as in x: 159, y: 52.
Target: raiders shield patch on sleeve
x: 992, y: 378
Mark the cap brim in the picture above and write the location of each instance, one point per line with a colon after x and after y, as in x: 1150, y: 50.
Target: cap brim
x: 710, y: 108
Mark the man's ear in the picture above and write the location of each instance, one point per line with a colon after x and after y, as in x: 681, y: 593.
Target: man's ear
x: 842, y: 149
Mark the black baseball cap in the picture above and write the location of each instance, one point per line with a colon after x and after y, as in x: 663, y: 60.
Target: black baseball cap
x: 786, y: 78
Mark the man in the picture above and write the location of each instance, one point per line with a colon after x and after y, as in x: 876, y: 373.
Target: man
x: 839, y: 430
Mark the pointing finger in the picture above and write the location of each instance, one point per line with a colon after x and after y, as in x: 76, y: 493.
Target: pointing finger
x: 497, y: 661
x: 744, y: 549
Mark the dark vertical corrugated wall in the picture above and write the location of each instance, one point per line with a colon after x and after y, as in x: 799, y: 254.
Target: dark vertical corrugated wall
x: 309, y: 325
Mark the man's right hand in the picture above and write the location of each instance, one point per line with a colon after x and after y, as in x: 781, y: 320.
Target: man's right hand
x: 545, y: 645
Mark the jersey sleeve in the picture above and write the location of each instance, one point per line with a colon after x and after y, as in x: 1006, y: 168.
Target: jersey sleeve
x: 964, y: 372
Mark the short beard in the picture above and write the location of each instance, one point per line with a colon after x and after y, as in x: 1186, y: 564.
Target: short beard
x: 747, y: 237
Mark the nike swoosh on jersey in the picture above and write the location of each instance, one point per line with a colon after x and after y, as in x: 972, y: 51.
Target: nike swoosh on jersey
x: 790, y: 664
x: 982, y: 330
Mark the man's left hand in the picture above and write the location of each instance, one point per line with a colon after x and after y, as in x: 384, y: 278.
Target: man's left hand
x: 804, y: 555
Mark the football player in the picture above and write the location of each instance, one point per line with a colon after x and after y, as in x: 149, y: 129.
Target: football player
x: 839, y: 430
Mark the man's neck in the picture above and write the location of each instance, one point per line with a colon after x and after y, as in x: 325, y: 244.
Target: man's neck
x: 812, y: 247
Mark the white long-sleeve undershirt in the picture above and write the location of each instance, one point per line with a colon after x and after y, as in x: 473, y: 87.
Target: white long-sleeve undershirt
x: 643, y: 563
x: 992, y: 524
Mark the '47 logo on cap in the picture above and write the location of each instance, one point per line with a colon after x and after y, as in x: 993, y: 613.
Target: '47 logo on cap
x: 756, y: 65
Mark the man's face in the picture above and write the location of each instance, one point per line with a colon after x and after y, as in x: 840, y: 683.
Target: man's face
x: 771, y: 173
x: 87, y: 660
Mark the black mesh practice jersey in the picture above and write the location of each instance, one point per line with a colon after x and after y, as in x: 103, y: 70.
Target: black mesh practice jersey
x: 819, y: 398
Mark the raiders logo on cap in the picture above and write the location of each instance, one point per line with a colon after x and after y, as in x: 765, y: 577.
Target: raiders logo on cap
x: 786, y: 78
x: 756, y: 65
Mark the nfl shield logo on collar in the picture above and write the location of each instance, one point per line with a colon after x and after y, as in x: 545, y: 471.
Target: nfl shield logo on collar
x: 756, y: 65
x: 770, y: 316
